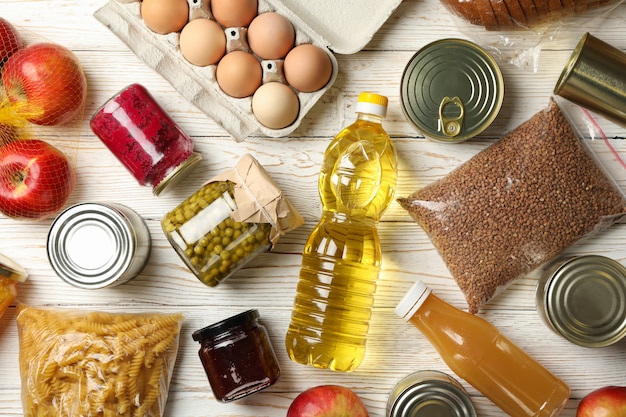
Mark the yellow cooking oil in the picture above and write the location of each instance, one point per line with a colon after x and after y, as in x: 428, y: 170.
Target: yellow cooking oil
x: 342, y: 256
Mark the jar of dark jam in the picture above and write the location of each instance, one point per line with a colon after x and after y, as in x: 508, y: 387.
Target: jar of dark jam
x: 237, y: 356
x: 145, y: 139
x: 208, y: 240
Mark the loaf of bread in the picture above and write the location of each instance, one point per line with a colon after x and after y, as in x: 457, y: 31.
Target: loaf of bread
x: 518, y: 14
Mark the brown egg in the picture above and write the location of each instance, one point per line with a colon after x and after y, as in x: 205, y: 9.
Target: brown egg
x: 202, y: 42
x: 271, y: 35
x: 234, y: 13
x: 165, y: 16
x: 239, y: 74
x: 307, y: 68
x: 275, y: 105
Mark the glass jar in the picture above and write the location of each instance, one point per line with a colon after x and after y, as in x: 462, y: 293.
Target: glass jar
x: 208, y: 240
x: 145, y: 139
x: 10, y: 275
x: 237, y: 356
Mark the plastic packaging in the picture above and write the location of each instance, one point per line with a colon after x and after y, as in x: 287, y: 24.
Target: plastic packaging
x: 516, y: 204
x: 516, y: 31
x: 342, y: 256
x: 88, y: 363
x: 37, y: 107
x: 477, y: 352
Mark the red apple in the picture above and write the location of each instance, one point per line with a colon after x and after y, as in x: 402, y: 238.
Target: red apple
x: 10, y: 40
x: 36, y: 179
x: 327, y: 401
x: 48, y: 80
x: 609, y: 401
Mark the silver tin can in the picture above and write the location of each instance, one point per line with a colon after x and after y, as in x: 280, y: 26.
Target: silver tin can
x: 429, y: 394
x: 95, y: 245
x: 451, y: 90
x: 583, y: 299
x: 594, y: 78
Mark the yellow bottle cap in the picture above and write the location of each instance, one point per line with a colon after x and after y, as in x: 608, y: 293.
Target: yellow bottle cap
x: 372, y: 103
x: 366, y: 97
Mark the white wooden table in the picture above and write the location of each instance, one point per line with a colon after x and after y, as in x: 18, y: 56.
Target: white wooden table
x: 395, y: 348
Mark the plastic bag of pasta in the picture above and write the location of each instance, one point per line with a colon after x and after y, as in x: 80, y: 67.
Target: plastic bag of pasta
x: 516, y: 205
x: 88, y: 364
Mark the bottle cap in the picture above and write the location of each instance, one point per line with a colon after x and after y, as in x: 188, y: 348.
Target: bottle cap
x: 372, y: 103
x: 11, y: 270
x: 413, y: 300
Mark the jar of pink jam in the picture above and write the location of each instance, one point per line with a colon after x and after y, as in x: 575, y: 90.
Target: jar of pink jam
x: 145, y: 139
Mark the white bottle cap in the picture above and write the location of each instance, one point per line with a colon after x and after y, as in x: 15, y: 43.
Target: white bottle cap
x: 413, y: 300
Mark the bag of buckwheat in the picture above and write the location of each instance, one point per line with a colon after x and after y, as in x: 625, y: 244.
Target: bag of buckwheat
x: 516, y: 205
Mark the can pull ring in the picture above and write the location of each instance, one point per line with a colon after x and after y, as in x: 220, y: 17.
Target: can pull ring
x: 451, y: 125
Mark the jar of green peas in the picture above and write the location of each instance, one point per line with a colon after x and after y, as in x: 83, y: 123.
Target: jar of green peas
x: 215, y: 236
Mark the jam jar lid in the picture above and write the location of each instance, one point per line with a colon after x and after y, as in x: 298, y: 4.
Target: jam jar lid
x: 226, y: 324
x: 177, y: 175
x: 11, y: 270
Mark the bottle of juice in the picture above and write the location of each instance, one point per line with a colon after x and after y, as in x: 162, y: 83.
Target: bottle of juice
x: 10, y: 275
x: 477, y: 352
x: 342, y: 256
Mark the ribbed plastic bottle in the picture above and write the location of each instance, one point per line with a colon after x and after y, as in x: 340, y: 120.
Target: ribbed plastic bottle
x: 477, y: 352
x: 342, y: 256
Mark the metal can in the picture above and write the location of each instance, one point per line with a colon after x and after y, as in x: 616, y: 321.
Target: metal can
x: 428, y: 394
x: 96, y: 245
x: 451, y: 90
x: 594, y: 78
x: 583, y: 299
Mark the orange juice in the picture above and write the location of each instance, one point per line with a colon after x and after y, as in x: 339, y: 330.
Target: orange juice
x: 10, y: 274
x: 477, y: 352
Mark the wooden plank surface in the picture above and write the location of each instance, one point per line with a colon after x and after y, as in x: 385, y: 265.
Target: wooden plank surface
x: 268, y: 283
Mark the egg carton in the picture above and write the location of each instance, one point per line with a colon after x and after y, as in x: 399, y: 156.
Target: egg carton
x: 343, y: 27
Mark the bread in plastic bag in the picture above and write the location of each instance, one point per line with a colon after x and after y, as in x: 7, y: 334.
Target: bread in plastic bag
x: 515, y: 32
x: 518, y: 14
x: 81, y: 363
x: 516, y: 204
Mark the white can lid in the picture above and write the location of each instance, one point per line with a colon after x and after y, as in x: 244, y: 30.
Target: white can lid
x: 412, y: 300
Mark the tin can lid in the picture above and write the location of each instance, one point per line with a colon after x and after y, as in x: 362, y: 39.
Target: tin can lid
x: 429, y: 394
x: 91, y: 245
x: 451, y: 90
x: 177, y: 174
x: 586, y: 300
x: 11, y: 270
x: 226, y: 324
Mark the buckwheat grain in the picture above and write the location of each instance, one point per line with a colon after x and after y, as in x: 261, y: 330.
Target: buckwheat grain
x: 515, y: 205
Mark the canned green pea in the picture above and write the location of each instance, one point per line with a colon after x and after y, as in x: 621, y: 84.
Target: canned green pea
x: 209, y: 241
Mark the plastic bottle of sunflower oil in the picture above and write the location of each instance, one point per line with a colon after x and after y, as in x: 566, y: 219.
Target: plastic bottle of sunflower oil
x: 342, y: 256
